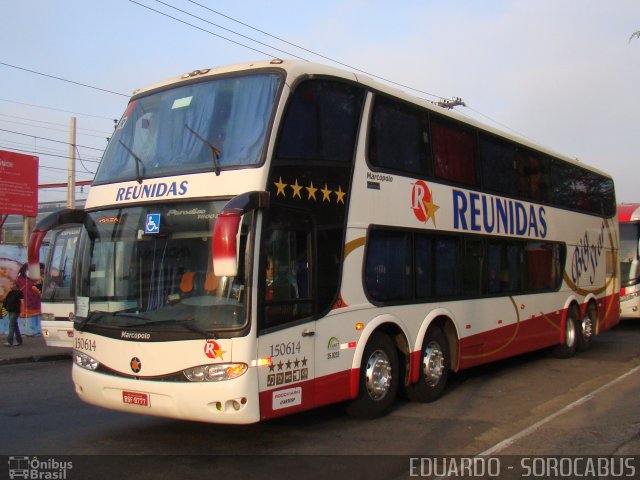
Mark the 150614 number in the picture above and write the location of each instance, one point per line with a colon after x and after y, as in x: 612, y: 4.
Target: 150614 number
x: 84, y: 344
x: 288, y: 348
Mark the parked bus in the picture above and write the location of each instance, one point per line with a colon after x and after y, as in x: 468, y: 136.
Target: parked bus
x: 267, y: 238
x: 629, y: 218
x: 58, y: 294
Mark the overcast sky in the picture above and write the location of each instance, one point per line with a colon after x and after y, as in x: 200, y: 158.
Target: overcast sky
x: 559, y: 72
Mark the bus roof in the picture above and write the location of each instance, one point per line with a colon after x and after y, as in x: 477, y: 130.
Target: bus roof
x: 628, y: 212
x: 299, y: 69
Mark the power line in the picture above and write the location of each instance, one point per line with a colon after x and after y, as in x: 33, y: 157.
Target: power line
x: 228, y: 30
x: 49, y: 139
x: 58, y: 109
x: 64, y: 79
x: 53, y: 129
x: 35, y: 152
x: 316, y: 53
x: 48, y: 123
x: 202, y: 29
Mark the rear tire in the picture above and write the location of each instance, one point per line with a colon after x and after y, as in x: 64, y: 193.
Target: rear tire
x: 379, y: 378
x: 587, y: 327
x: 571, y: 332
x: 435, y: 363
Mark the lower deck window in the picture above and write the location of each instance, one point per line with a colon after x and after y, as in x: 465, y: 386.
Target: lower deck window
x: 406, y: 266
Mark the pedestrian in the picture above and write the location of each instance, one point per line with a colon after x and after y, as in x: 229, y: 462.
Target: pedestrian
x: 13, y: 304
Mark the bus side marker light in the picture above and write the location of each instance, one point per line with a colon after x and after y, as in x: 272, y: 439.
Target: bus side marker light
x: 359, y: 326
x: 261, y: 362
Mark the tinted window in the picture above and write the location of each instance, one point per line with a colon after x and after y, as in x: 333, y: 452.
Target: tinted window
x: 399, y: 137
x: 498, y: 161
x: 321, y: 122
x: 388, y: 267
x: 454, y: 148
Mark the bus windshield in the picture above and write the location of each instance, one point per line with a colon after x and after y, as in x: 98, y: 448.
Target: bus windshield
x: 205, y: 126
x: 629, y: 267
x: 59, y: 267
x: 150, y: 266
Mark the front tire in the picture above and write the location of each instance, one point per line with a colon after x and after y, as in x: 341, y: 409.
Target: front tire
x: 571, y: 332
x: 434, y: 367
x: 379, y: 378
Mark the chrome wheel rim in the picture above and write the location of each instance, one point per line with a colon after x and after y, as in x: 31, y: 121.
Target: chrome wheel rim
x: 433, y: 364
x: 587, y: 327
x: 378, y: 375
x: 570, y: 333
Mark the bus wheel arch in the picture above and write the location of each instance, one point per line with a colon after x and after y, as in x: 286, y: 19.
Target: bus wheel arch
x: 379, y: 375
x: 436, y: 356
x: 588, y: 325
x: 570, y: 327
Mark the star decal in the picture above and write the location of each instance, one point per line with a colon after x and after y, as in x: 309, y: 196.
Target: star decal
x: 304, y: 362
x: 280, y: 365
x: 296, y: 189
x: 312, y: 191
x: 340, y: 194
x: 326, y: 194
x: 280, y: 185
x: 289, y: 362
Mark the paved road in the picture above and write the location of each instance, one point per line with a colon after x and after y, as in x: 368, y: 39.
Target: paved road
x: 531, y: 405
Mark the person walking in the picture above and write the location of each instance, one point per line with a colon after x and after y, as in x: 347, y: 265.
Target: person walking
x: 13, y: 304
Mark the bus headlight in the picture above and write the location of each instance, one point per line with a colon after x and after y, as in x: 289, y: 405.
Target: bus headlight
x: 85, y: 361
x: 215, y: 373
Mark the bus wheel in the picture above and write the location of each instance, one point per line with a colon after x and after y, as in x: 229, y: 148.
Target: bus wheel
x: 586, y: 328
x: 435, y: 364
x: 571, y: 333
x: 379, y: 378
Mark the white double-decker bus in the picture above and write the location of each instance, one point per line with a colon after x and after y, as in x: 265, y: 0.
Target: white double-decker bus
x: 268, y: 238
x: 629, y: 218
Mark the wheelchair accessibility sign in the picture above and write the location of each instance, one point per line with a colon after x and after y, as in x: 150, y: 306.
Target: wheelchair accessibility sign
x: 152, y: 225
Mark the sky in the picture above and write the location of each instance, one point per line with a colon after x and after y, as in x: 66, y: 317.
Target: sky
x: 561, y: 73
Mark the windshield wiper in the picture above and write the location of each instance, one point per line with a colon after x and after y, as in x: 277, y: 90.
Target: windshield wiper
x: 124, y: 313
x: 202, y: 331
x: 215, y: 152
x: 137, y: 159
x: 88, y: 318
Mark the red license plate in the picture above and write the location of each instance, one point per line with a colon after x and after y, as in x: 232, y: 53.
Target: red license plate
x: 135, y: 398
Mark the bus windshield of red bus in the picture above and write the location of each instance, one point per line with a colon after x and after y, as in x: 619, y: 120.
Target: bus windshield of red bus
x: 629, y: 266
x: 150, y: 266
x: 206, y: 126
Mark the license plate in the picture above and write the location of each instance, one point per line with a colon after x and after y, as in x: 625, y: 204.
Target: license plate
x: 135, y: 398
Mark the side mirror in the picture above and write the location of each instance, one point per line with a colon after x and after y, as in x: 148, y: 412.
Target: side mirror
x: 224, y: 245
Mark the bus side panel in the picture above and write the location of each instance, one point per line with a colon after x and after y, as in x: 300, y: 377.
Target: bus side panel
x: 525, y: 336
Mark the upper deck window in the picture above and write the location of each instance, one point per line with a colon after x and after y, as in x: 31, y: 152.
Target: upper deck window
x: 321, y: 122
x: 189, y: 128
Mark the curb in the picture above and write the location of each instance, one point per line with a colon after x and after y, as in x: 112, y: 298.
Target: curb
x: 36, y: 358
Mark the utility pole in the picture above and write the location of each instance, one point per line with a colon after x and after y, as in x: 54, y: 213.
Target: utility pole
x: 71, y: 170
